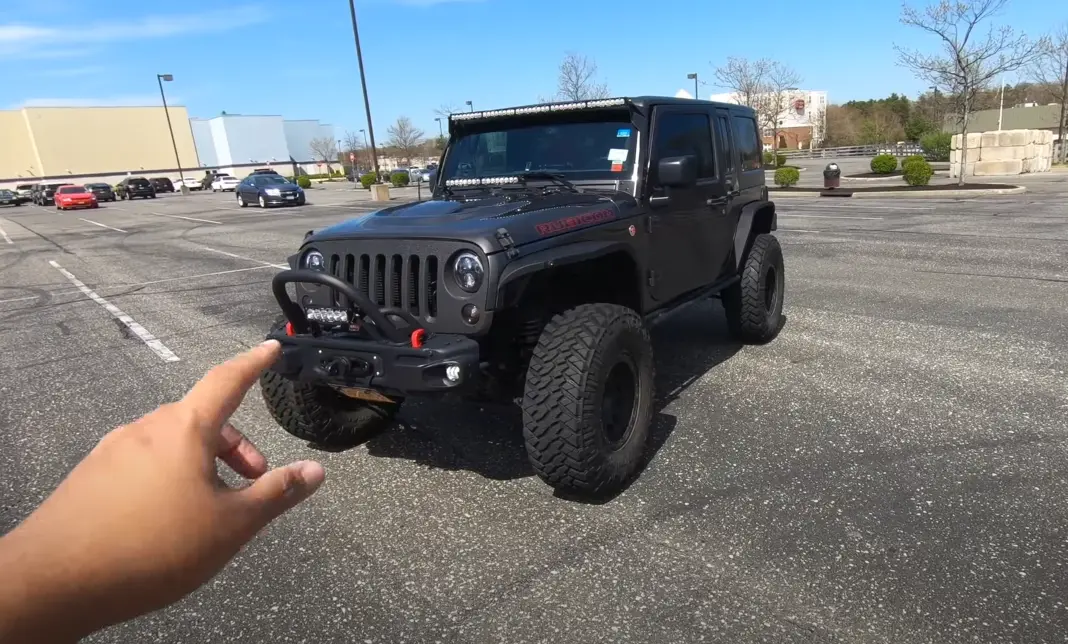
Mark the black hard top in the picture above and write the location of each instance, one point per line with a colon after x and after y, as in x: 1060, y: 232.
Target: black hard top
x: 649, y: 101
x: 640, y: 103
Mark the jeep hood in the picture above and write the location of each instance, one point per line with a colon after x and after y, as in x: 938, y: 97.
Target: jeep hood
x: 526, y: 216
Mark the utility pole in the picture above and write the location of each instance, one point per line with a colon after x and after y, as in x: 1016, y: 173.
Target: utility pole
x: 1001, y: 105
x: 694, y: 78
x: 168, y: 77
x: 1060, y: 123
x: 363, y: 83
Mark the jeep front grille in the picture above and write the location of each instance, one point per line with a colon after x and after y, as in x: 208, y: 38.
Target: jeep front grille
x: 400, y: 282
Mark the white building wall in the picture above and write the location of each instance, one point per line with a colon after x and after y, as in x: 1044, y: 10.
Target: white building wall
x: 204, y: 142
x: 219, y: 141
x: 298, y: 138
x: 255, y: 139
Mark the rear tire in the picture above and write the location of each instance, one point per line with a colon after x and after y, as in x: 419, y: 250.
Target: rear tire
x: 588, y: 399
x: 321, y: 415
x: 754, y: 304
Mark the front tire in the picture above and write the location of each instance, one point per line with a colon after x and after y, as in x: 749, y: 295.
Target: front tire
x: 588, y: 399
x: 754, y: 303
x: 241, y: 200
x: 263, y: 202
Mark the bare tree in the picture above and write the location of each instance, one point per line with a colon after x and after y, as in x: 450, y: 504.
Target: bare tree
x: 967, y: 61
x: 1051, y: 70
x: 446, y: 109
x: 773, y: 97
x: 577, y: 79
x: 744, y: 78
x: 324, y: 150
x: 405, y: 137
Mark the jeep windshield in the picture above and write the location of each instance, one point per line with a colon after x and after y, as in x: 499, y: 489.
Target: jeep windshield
x: 576, y: 150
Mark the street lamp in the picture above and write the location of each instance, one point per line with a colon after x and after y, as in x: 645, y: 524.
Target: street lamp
x: 693, y: 77
x: 168, y: 77
x: 468, y: 103
x: 440, y: 131
x: 363, y: 82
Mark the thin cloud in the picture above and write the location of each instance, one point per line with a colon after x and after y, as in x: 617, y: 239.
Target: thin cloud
x: 72, y: 72
x: 20, y: 40
x: 431, y: 3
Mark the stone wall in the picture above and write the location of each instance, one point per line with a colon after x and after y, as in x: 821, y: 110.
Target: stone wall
x: 1003, y: 152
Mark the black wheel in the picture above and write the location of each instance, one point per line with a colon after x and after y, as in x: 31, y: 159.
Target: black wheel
x: 754, y: 304
x: 588, y: 399
x: 323, y: 415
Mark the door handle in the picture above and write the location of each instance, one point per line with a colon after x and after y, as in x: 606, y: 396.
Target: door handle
x: 716, y: 201
x: 732, y: 189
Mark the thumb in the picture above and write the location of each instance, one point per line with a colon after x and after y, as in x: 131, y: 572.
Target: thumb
x: 279, y: 490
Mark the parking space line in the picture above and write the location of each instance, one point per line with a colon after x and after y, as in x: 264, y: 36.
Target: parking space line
x: 823, y: 206
x: 4, y: 235
x: 205, y: 221
x: 799, y: 230
x: 97, y: 223
x: 247, y: 259
x: 193, y: 277
x: 141, y: 332
x: 830, y: 217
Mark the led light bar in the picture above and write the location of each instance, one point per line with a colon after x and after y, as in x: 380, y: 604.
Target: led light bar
x: 534, y: 109
x: 327, y: 316
x: 481, y: 181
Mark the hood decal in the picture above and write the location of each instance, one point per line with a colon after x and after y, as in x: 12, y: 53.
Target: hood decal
x: 576, y: 221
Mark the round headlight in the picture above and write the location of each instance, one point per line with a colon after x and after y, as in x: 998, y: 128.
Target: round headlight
x: 468, y: 271
x: 314, y: 260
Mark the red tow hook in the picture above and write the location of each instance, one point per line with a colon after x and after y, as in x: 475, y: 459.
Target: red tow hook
x: 418, y: 336
x: 289, y: 329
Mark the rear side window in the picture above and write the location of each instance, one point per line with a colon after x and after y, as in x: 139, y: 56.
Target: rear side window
x: 748, y: 142
x: 680, y: 134
x: 723, y: 136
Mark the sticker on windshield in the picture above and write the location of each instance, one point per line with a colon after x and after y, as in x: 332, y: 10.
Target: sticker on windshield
x: 617, y: 154
x: 623, y: 133
x: 617, y: 167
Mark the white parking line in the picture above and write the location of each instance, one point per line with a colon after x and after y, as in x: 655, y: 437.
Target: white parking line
x: 823, y: 206
x: 204, y: 221
x: 830, y: 217
x: 247, y: 259
x: 150, y: 340
x: 6, y: 238
x: 193, y: 277
x: 799, y: 230
x: 97, y: 223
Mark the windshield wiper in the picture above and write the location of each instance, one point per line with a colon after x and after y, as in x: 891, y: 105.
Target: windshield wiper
x: 556, y: 177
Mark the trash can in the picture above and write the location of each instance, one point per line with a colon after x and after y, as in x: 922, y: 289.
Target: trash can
x: 832, y: 176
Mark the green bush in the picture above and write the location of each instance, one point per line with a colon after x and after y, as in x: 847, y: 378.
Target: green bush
x: 304, y: 182
x: 786, y: 177
x: 937, y: 145
x: 912, y: 159
x: 399, y: 179
x: 367, y: 179
x: 778, y: 160
x: 918, y: 173
x: 884, y: 164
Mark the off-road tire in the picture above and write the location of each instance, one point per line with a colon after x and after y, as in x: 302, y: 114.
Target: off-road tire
x: 321, y: 415
x: 754, y: 303
x: 563, y: 426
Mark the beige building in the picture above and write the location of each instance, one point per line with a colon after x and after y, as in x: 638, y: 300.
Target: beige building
x: 61, y: 141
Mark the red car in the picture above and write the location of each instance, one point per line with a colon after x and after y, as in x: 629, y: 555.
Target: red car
x: 74, y: 197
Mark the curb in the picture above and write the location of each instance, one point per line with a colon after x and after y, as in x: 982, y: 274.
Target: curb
x: 932, y: 194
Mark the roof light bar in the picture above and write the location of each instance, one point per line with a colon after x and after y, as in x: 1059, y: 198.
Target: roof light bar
x: 534, y: 109
x: 481, y: 181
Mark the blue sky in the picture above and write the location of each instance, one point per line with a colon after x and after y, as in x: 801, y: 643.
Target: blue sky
x: 298, y: 59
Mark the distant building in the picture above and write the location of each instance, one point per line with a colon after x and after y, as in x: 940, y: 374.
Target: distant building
x: 801, y: 125
x: 234, y: 139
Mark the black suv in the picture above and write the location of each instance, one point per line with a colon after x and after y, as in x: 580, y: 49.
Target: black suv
x: 556, y: 235
x: 162, y: 184
x: 131, y: 187
x: 44, y: 194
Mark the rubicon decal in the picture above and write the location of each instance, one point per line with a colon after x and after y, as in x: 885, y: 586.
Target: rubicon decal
x: 567, y: 223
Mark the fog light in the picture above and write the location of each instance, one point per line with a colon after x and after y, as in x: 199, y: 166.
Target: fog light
x: 452, y: 373
x: 471, y: 313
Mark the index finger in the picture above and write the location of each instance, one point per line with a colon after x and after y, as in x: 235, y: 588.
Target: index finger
x: 217, y: 395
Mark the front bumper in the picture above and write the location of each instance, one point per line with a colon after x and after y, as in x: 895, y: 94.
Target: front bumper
x: 296, y: 200
x: 76, y: 204
x: 379, y: 356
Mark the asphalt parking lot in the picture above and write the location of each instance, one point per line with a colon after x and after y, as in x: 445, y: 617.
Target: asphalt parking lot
x: 893, y: 468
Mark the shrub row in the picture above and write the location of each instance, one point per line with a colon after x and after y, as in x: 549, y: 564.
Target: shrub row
x: 778, y: 160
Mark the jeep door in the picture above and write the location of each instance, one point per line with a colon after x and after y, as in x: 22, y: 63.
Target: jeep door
x: 749, y: 158
x: 689, y: 228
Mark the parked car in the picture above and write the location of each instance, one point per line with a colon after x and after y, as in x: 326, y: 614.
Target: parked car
x: 75, y: 197
x: 162, y: 184
x: 224, y: 182
x: 46, y: 194
x: 131, y: 187
x: 102, y: 191
x: 269, y: 190
x: 10, y: 198
x: 263, y: 171
x: 25, y: 192
x: 188, y: 182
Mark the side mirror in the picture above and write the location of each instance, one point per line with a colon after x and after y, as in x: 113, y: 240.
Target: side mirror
x: 677, y: 172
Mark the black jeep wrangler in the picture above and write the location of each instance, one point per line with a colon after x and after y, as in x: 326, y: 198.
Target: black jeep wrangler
x: 556, y: 235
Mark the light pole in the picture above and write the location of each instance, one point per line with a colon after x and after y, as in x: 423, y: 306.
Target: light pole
x: 468, y: 103
x: 693, y: 77
x: 168, y: 77
x: 440, y: 131
x: 363, y: 82
x: 1001, y: 105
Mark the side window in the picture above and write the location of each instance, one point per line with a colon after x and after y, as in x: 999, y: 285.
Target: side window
x: 748, y: 142
x: 681, y: 134
x: 723, y: 135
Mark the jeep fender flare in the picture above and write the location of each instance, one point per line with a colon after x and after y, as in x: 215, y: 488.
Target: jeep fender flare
x: 556, y: 257
x: 757, y: 217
